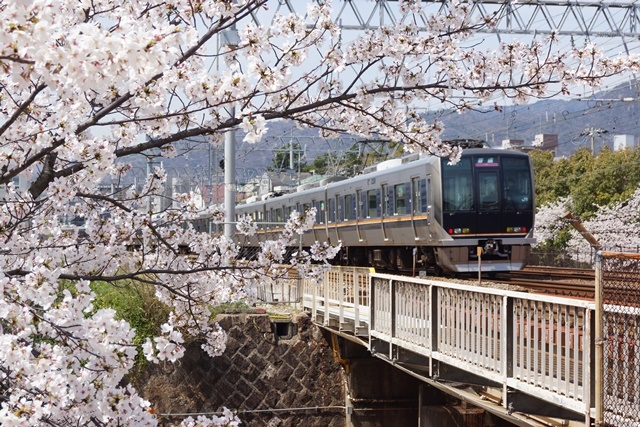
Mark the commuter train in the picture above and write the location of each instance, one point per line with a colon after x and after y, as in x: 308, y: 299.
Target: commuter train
x: 418, y: 212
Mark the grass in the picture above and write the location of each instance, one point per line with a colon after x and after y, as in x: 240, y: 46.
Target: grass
x: 136, y: 303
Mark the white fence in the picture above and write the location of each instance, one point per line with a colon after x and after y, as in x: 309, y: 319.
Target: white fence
x: 532, y: 343
x: 540, y: 345
x: 341, y: 298
x: 537, y: 344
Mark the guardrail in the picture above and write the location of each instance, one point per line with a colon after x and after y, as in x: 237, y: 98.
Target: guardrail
x: 341, y: 299
x: 537, y: 344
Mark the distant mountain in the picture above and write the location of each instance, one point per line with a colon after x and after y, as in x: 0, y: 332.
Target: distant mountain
x: 615, y: 111
x: 605, y: 111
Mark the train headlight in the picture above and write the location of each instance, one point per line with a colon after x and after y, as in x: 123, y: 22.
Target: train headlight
x: 459, y: 230
x: 516, y: 229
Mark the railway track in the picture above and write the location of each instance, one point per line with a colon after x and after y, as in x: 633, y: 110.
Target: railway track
x: 568, y: 282
x: 559, y: 281
x: 558, y: 272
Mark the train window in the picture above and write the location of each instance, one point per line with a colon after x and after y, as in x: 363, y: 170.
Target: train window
x: 488, y: 190
x: 332, y: 210
x: 321, y: 213
x: 340, y: 208
x: 486, y: 162
x: 348, y: 207
x: 372, y: 204
x: 457, y: 186
x: 516, y: 184
x: 400, y: 207
x: 279, y: 215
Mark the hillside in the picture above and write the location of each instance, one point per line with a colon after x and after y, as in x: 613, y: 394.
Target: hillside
x: 568, y: 119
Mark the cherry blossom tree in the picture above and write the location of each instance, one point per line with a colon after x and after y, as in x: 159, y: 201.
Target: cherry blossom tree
x: 87, y: 84
x: 549, y: 222
x: 613, y: 226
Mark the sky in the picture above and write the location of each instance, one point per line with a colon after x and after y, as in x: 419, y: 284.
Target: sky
x: 537, y: 19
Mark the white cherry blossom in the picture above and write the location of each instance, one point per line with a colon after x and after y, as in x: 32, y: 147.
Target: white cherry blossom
x: 86, y: 86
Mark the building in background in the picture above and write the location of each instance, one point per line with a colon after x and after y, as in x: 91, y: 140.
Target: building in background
x: 546, y: 142
x: 512, y: 144
x: 622, y: 142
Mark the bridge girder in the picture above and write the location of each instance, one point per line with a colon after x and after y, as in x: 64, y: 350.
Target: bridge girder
x: 590, y: 19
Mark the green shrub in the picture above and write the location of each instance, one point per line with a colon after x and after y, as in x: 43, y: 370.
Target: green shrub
x: 136, y: 303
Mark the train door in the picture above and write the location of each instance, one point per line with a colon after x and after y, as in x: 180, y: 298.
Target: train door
x: 384, y: 209
x: 488, y: 194
x: 339, y: 216
x: 332, y: 230
x: 415, y: 203
x: 359, y: 214
x: 314, y: 229
x: 429, y: 199
x: 326, y: 206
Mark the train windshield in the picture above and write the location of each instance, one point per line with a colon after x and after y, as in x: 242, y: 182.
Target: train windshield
x: 517, y: 184
x: 457, y: 186
x: 502, y: 183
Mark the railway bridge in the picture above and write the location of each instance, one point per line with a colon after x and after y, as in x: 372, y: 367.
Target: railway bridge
x: 531, y: 359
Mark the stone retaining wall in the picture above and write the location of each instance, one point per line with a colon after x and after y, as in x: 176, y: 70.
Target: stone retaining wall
x: 259, y: 371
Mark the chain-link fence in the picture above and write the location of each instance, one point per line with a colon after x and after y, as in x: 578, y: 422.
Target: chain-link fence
x: 570, y: 258
x: 574, y: 257
x: 618, y: 357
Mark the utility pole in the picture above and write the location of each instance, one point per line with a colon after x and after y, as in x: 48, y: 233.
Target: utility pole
x: 232, y: 39
x: 150, y: 165
x: 592, y: 132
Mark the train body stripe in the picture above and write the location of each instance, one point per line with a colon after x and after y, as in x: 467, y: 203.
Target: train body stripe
x: 392, y: 220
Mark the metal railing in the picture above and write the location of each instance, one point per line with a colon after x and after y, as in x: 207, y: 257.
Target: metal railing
x: 536, y: 344
x: 582, y: 355
x: 282, y: 288
x: 343, y: 297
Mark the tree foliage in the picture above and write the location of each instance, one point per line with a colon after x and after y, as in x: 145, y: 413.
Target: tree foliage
x: 609, y: 177
x: 86, y: 85
x: 600, y: 190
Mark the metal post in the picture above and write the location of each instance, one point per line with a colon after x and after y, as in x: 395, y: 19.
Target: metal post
x: 230, y: 180
x: 149, y: 198
x: 479, y: 253
x: 599, y: 337
x: 231, y: 39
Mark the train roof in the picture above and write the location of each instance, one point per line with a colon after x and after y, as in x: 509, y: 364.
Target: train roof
x: 471, y: 151
x: 382, y: 169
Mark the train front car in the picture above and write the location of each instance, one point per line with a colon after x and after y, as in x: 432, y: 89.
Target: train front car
x: 487, y: 211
